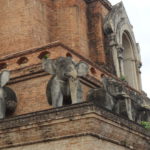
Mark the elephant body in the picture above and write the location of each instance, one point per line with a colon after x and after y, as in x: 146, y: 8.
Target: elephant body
x: 58, y: 92
x: 112, y: 97
x: 11, y: 100
x: 2, y: 104
x: 101, y: 98
x: 8, y: 99
x: 140, y: 113
x: 64, y: 87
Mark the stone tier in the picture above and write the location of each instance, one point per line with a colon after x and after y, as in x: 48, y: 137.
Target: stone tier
x: 28, y: 77
x: 77, y: 126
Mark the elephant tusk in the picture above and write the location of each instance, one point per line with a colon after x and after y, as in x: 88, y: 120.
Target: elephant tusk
x: 73, y: 74
x: 73, y: 89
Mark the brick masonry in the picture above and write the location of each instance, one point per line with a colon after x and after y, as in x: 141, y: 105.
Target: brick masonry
x: 28, y: 24
x: 74, y: 27
x: 29, y: 81
x: 74, y: 143
x: 78, y: 126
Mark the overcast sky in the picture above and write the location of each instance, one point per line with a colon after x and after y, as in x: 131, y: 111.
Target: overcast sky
x: 139, y: 15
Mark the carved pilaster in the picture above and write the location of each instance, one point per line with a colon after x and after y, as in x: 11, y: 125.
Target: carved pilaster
x: 120, y: 50
x: 112, y: 44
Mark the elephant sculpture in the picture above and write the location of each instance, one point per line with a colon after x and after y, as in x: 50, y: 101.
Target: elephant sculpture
x: 64, y: 86
x: 141, y: 112
x: 118, y: 99
x: 8, y: 99
x: 112, y: 97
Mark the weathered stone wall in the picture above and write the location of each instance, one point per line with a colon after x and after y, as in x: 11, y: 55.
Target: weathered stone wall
x: 69, y: 24
x: 23, y: 25
x: 95, y: 13
x: 76, y: 143
x: 26, y: 24
x: 29, y: 81
x: 81, y: 126
x: 77, y: 24
x: 31, y: 95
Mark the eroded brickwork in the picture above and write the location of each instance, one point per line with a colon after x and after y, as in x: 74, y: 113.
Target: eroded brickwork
x: 77, y: 143
x: 72, y: 127
x: 96, y: 12
x: 29, y: 81
x: 23, y: 25
x: 31, y: 95
x: 26, y: 24
x: 78, y: 25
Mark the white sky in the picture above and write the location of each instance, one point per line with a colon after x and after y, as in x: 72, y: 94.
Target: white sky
x: 139, y: 15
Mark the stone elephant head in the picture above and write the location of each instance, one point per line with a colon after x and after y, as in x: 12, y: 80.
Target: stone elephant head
x: 64, y: 86
x: 8, y: 99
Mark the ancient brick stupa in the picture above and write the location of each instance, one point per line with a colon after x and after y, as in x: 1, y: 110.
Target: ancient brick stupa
x: 97, y: 105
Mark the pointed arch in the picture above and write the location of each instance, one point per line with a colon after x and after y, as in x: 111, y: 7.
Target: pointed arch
x: 125, y: 50
x: 129, y: 61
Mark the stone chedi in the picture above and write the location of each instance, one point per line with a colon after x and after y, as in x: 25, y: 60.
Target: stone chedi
x: 75, y: 77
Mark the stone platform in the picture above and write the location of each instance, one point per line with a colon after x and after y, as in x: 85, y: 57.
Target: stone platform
x: 79, y: 126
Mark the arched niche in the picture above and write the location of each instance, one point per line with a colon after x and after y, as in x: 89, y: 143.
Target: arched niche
x: 122, y: 44
x: 129, y: 61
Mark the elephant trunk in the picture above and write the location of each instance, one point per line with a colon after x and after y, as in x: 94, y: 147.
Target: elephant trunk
x: 71, y: 72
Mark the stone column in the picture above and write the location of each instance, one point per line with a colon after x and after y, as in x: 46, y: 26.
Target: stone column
x: 113, y: 45
x: 139, y: 65
x: 120, y: 50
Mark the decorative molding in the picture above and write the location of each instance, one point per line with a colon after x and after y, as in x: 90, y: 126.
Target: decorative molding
x: 117, y: 22
x: 120, y: 50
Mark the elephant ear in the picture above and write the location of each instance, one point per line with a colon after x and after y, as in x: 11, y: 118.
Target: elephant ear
x: 49, y: 66
x: 4, y: 78
x: 82, y: 68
